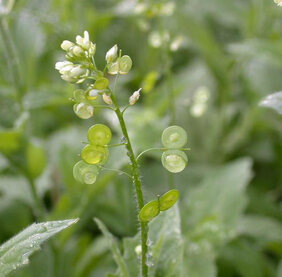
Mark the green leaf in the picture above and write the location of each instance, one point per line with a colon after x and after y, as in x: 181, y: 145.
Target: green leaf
x: 9, y: 141
x: 114, y: 248
x: 167, y: 247
x: 15, y: 252
x: 273, y: 101
x: 212, y: 214
x: 35, y: 159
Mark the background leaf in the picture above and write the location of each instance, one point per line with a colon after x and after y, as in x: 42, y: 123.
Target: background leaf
x: 15, y: 252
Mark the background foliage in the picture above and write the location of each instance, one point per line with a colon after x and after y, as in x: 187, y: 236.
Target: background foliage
x: 228, y: 221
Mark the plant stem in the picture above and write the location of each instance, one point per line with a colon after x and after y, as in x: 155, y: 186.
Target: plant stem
x: 39, y: 212
x: 171, y: 105
x: 17, y: 81
x: 159, y: 148
x: 136, y: 182
x: 12, y: 59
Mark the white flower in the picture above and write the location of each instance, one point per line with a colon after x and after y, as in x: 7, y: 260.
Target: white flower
x: 73, y: 73
x: 66, y: 45
x: 84, y: 42
x: 61, y: 65
x: 134, y: 97
x: 78, y: 51
x: 112, y: 54
x: 278, y: 2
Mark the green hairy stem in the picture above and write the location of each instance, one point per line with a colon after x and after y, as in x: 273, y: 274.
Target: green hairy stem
x: 136, y: 182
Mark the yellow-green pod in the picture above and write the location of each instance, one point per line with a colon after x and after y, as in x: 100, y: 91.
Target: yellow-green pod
x: 101, y: 83
x: 85, y: 173
x: 99, y: 134
x: 174, y: 137
x: 79, y: 95
x: 125, y: 64
x: 83, y: 110
x: 94, y: 154
x: 174, y: 160
x: 168, y: 199
x: 149, y: 211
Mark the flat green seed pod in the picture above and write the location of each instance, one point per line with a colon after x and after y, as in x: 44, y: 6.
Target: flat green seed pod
x: 92, y: 94
x: 101, y: 83
x: 85, y: 173
x: 79, y: 95
x: 99, y: 134
x: 94, y: 154
x: 113, y: 68
x: 174, y: 137
x: 125, y: 64
x: 174, y: 160
x: 168, y: 199
x: 149, y: 211
x: 83, y: 110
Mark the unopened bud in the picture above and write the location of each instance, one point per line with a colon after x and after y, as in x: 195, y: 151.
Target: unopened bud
x: 107, y: 99
x: 134, y: 97
x: 112, y: 54
x: 66, y: 45
x: 78, y: 51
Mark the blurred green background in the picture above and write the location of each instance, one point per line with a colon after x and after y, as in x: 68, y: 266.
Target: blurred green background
x: 230, y: 201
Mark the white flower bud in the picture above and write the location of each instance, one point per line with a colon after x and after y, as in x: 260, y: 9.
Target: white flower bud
x: 66, y: 45
x: 111, y: 55
x: 68, y: 78
x: 78, y: 51
x: 134, y: 97
x: 278, y: 2
x: 92, y: 49
x: 107, y: 99
x: 77, y: 71
x: 61, y: 65
x: 79, y: 40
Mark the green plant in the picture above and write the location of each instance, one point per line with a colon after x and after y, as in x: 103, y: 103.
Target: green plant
x: 80, y: 67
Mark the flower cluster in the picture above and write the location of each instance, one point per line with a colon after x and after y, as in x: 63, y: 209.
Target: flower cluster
x: 82, y: 51
x: 278, y: 2
x: 80, y: 66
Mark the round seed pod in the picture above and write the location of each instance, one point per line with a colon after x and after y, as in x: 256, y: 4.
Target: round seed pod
x: 125, y: 64
x: 83, y: 110
x: 174, y: 137
x: 168, y: 199
x: 79, y: 95
x: 92, y: 94
x: 113, y: 68
x: 94, y: 154
x: 174, y: 160
x: 99, y: 134
x: 101, y: 84
x: 85, y: 173
x: 149, y: 211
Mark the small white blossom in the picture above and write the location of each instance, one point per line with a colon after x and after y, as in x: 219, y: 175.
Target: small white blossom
x: 134, y: 97
x: 66, y: 45
x: 84, y: 42
x: 78, y: 51
x: 111, y: 55
x: 73, y: 73
x: 278, y: 2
